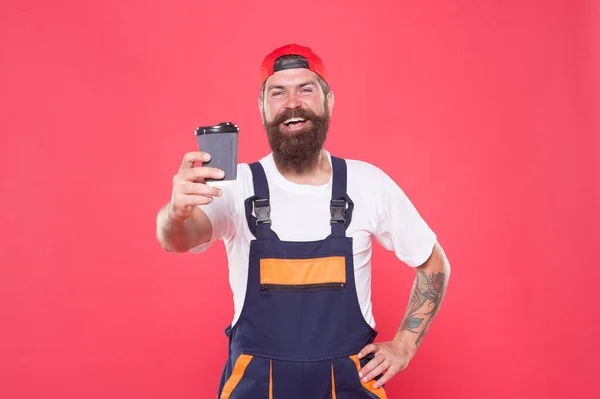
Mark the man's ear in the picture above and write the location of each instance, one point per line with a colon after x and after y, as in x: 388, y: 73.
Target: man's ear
x: 330, y: 102
x: 261, y: 108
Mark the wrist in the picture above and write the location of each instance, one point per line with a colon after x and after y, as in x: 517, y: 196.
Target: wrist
x: 408, y: 346
x: 173, y: 217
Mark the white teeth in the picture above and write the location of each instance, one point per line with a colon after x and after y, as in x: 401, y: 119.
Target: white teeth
x: 294, y: 120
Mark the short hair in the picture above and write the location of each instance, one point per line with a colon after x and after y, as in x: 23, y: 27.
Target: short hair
x: 281, y: 61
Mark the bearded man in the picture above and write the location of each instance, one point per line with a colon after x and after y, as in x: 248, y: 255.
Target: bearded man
x: 298, y: 227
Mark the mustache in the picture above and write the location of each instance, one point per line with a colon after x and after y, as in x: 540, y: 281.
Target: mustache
x: 294, y: 113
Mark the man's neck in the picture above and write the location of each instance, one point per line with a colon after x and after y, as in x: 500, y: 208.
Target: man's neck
x: 316, y: 174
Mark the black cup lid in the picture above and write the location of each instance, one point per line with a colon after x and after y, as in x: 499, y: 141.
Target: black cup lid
x: 224, y: 127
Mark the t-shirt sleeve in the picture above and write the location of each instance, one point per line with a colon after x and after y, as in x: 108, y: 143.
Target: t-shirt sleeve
x: 400, y: 227
x: 221, y: 214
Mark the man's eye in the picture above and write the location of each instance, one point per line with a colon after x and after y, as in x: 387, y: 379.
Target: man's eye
x: 306, y: 90
x: 276, y: 93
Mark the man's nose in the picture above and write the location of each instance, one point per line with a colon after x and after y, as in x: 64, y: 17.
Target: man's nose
x: 292, y: 102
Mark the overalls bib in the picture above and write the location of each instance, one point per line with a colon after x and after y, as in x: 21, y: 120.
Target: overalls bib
x: 301, y: 326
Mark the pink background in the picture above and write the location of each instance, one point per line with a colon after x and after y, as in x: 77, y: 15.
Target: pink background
x: 485, y: 113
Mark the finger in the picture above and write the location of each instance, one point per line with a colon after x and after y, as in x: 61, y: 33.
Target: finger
x: 193, y: 200
x: 389, y: 373
x: 198, y: 189
x: 191, y: 157
x: 203, y: 172
x: 383, y: 366
x: 374, y: 363
x: 366, y: 350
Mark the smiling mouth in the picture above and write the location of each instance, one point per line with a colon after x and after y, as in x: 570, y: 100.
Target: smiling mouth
x: 294, y: 122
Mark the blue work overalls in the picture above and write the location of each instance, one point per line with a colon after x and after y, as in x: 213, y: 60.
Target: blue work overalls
x: 301, y: 326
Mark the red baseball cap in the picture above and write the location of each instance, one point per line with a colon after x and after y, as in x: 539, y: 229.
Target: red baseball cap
x: 312, y: 62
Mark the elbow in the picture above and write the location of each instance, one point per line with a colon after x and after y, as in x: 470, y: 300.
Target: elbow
x: 169, y: 246
x: 172, y: 248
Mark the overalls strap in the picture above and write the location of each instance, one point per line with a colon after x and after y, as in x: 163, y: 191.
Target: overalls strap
x: 259, y: 205
x: 341, y: 205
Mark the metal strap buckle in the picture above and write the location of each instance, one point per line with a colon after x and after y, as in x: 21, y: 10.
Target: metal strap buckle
x: 262, y: 208
x: 338, y: 211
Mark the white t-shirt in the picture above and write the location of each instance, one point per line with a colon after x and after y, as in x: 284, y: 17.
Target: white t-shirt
x: 301, y: 213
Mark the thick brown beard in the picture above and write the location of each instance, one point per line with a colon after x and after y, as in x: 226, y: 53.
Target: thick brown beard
x: 298, y: 150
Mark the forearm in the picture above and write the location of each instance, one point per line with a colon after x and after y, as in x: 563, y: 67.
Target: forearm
x: 175, y: 235
x: 426, y: 297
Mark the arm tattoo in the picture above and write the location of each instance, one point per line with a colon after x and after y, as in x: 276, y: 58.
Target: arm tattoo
x: 425, y: 300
